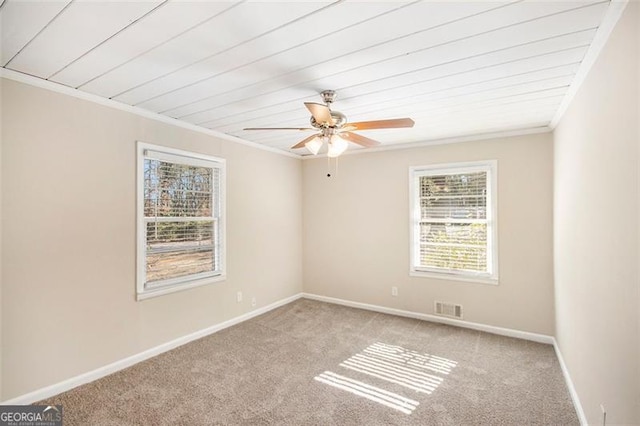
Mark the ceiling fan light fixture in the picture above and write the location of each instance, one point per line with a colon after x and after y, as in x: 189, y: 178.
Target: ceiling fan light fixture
x: 337, y: 146
x: 329, y: 124
x: 314, y: 145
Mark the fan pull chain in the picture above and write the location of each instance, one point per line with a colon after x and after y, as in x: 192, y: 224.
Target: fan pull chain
x: 335, y: 172
x: 328, y: 166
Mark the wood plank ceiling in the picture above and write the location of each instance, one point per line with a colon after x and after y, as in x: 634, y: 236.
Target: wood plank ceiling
x: 457, y: 68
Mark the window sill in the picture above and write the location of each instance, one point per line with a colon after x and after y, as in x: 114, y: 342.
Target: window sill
x: 160, y: 291
x: 454, y: 277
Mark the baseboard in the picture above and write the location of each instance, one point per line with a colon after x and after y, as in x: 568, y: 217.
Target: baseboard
x: 569, y: 382
x: 98, y: 373
x: 540, y: 338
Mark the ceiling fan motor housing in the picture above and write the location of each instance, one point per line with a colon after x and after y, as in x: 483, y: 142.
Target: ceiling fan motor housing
x: 339, y: 120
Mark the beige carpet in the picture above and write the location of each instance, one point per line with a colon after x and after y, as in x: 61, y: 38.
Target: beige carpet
x: 312, y: 363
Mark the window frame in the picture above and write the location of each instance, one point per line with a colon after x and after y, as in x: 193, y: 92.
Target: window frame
x: 172, y: 285
x: 415, y: 214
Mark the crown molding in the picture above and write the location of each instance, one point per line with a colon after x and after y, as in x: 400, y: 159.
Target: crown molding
x: 443, y: 141
x: 66, y: 90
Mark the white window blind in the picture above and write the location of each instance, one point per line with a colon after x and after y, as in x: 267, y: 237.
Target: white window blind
x: 182, y: 235
x: 453, y: 220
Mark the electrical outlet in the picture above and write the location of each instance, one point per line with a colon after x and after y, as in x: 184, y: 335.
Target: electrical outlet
x: 239, y: 297
x: 253, y: 301
x: 604, y: 415
x: 394, y: 291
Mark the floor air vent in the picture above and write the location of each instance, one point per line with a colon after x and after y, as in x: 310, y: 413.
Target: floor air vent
x: 448, y: 310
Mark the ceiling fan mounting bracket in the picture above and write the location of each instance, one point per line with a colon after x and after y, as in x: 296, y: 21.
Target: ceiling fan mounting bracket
x: 328, y: 96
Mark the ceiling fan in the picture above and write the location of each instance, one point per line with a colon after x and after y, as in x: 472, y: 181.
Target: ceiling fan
x: 334, y: 128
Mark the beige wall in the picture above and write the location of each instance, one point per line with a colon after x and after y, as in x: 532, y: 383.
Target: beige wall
x: 68, y: 176
x: 596, y: 231
x: 358, y: 224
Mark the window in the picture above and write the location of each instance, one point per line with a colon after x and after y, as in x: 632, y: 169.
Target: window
x: 180, y: 220
x: 453, y: 219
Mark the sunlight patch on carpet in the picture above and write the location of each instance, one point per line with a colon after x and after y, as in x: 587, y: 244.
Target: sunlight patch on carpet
x: 411, y: 358
x: 394, y: 364
x: 381, y: 396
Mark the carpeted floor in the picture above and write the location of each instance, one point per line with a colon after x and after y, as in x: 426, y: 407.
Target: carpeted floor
x: 312, y: 363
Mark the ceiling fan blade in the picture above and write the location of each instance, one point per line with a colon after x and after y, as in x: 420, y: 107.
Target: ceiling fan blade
x: 279, y: 128
x: 357, y: 139
x: 381, y: 124
x: 320, y: 112
x: 303, y: 142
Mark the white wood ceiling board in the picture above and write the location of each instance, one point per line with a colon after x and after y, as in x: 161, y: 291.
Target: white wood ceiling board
x: 533, y: 52
x: 272, y: 135
x: 457, y: 129
x: 291, y: 137
x: 231, y: 28
x: 78, y: 29
x: 433, y: 114
x: 521, y: 84
x: 284, y: 120
x: 491, y: 124
x: 464, y: 73
x: 306, y: 54
x: 470, y: 132
x: 533, y: 113
x: 161, y: 25
x: 293, y: 110
x: 447, y: 105
x: 348, y: 47
x: 475, y: 47
x: 262, y: 117
x: 295, y: 118
x: 418, y: 112
x: 208, y: 116
x: 290, y: 106
x: 326, y: 21
x: 410, y: 106
x: 438, y: 86
x: 286, y: 147
x: 456, y: 132
x: 331, y: 70
x: 461, y: 103
x: 435, y: 90
x: 541, y: 112
x: 505, y: 106
x: 441, y: 65
x: 22, y: 21
x: 300, y: 120
x: 538, y: 111
x: 466, y: 124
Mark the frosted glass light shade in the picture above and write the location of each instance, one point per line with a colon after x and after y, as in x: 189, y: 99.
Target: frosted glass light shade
x: 314, y: 145
x: 337, y: 146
